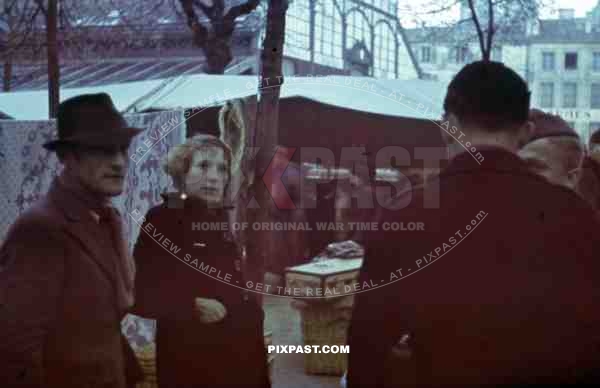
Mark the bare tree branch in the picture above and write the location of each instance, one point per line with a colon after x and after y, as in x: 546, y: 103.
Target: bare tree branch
x: 490, y: 32
x: 199, y: 31
x: 475, y: 19
x: 42, y: 7
x: 214, y: 39
x: 210, y: 12
x: 241, y: 9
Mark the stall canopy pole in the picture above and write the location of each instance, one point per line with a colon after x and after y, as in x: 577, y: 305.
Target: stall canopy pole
x: 266, y: 133
x: 53, y: 65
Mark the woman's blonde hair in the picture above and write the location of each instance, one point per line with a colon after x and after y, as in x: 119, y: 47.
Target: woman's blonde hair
x: 178, y: 160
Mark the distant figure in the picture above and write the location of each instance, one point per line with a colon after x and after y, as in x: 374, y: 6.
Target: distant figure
x: 323, y: 213
x: 554, y: 150
x: 500, y: 287
x: 66, y: 276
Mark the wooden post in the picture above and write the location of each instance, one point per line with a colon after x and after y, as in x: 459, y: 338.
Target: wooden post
x: 7, y: 75
x: 266, y: 134
x: 53, y: 64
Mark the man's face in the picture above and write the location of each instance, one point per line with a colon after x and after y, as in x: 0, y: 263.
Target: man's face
x: 207, y: 175
x: 595, y: 152
x: 547, y: 157
x: 101, y: 170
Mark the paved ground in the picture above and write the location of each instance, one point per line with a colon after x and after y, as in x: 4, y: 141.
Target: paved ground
x: 288, y: 369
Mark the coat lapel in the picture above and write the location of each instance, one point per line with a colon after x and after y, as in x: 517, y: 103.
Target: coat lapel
x: 82, y: 225
x: 102, y: 255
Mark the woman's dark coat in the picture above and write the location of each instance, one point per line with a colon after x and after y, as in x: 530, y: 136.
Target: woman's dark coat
x: 190, y: 353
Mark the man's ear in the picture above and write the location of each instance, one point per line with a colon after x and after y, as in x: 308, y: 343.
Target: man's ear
x: 446, y: 124
x: 573, y: 176
x: 525, y: 133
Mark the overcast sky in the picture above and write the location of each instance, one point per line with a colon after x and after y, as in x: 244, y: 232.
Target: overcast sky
x: 408, y: 10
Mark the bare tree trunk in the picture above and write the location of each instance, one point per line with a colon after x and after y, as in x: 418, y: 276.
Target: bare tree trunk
x: 7, y: 75
x: 53, y: 65
x: 216, y: 41
x: 480, y: 34
x: 485, y: 42
x: 488, y: 54
x: 218, y: 56
x: 266, y: 134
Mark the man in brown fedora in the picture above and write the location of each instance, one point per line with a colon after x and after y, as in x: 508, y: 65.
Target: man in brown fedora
x: 66, y: 279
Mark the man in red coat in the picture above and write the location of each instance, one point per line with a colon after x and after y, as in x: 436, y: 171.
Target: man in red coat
x: 66, y: 277
x: 554, y: 150
x: 499, y: 288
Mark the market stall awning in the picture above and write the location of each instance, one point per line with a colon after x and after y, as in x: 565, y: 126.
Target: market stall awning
x: 33, y: 105
x: 418, y: 99
x: 404, y: 98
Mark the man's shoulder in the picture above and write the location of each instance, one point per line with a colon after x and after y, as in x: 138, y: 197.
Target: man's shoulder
x: 41, y: 218
x: 510, y: 196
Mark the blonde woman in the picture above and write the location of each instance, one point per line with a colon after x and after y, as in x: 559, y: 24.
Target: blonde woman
x: 209, y: 334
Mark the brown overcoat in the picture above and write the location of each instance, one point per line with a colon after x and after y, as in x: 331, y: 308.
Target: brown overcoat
x: 60, y: 324
x: 499, y: 288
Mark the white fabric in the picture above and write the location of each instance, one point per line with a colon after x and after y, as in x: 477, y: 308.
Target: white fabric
x: 403, y: 98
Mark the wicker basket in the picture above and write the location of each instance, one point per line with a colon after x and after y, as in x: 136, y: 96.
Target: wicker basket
x: 147, y: 359
x: 323, y: 325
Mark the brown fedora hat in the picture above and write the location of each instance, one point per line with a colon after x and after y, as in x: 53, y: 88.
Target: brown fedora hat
x: 91, y: 120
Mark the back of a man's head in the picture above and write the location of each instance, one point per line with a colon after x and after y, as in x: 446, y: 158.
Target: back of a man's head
x: 488, y: 96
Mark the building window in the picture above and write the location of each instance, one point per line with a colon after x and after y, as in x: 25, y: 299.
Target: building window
x: 297, y: 27
x: 571, y: 61
x: 569, y: 95
x: 328, y: 35
x: 358, y: 29
x: 384, y: 64
x: 547, y: 95
x: 595, y: 96
x: 548, y: 61
x: 497, y: 53
x: 596, y: 61
x: 426, y: 54
x: 461, y: 54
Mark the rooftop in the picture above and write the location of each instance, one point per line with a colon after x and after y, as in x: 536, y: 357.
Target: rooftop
x: 567, y: 31
x: 88, y: 74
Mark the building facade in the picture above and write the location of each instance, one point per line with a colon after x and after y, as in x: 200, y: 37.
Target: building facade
x: 564, y: 71
x: 559, y: 58
x: 323, y: 37
x: 358, y: 37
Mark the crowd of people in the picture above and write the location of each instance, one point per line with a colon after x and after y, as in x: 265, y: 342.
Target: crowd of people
x: 515, y: 304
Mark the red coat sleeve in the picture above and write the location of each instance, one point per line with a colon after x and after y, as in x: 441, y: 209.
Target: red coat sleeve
x: 32, y: 261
